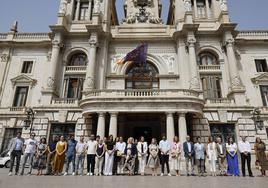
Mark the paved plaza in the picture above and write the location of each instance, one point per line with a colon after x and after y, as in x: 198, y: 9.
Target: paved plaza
x: 128, y: 182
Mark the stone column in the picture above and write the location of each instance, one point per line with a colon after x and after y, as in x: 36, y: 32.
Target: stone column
x: 195, y: 9
x: 207, y: 9
x: 194, y: 82
x: 90, y: 75
x: 182, y: 127
x: 170, y: 126
x: 113, y: 124
x: 101, y: 125
x: 234, y: 75
x: 54, y: 63
x: 77, y: 11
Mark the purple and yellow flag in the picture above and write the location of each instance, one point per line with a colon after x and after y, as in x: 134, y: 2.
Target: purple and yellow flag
x: 138, y: 55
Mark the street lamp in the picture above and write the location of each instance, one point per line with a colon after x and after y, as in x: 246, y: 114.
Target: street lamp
x: 28, y: 122
x: 256, y: 117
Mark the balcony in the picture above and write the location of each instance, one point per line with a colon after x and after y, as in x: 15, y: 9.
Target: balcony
x: 142, y: 100
x: 75, y: 69
x: 209, y: 68
x: 64, y: 102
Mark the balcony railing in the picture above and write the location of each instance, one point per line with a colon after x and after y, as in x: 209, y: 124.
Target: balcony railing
x: 209, y: 67
x: 220, y: 101
x: 143, y: 93
x: 3, y: 36
x: 64, y: 102
x: 17, y: 109
x: 32, y: 36
x: 75, y: 69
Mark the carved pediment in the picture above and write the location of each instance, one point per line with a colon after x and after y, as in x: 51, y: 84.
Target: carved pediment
x: 262, y: 78
x: 23, y: 79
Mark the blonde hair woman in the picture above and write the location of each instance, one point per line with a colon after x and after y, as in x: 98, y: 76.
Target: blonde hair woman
x: 153, y: 161
x: 175, y: 155
x: 130, y: 153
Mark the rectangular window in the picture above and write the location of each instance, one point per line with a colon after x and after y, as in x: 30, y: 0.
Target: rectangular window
x: 9, y: 134
x: 264, y: 95
x: 73, y: 88
x: 261, y: 65
x: 83, y: 11
x: 211, y: 87
x: 27, y: 67
x: 20, y: 97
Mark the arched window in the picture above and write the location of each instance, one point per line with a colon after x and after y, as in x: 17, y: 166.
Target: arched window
x: 79, y: 59
x: 207, y: 59
x: 142, y: 77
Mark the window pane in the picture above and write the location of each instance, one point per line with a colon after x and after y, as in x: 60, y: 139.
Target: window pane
x: 20, y: 96
x: 27, y: 67
x: 264, y: 94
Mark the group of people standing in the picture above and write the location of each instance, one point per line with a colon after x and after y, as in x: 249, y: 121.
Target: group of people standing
x: 109, y: 156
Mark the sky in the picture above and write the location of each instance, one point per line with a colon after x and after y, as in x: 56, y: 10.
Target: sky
x: 37, y: 15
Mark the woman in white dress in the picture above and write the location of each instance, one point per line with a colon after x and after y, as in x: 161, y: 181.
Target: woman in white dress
x: 109, y: 157
x: 175, y: 155
x: 212, y: 156
x: 153, y: 161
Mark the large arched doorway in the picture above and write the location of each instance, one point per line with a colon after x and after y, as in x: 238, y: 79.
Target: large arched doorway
x: 142, y: 76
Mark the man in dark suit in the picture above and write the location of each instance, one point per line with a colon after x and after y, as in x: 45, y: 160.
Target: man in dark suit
x: 188, y: 148
x: 221, y: 150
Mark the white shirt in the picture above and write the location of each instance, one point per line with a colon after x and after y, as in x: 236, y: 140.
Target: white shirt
x: 30, y: 145
x: 244, y: 147
x: 189, y: 147
x: 91, y: 147
x: 164, y: 146
x: 120, y: 147
x: 231, y: 147
x: 221, y: 150
x: 80, y: 147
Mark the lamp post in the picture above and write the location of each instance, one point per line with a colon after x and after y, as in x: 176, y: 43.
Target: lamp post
x: 256, y: 117
x: 28, y: 122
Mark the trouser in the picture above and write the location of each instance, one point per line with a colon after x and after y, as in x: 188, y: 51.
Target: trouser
x: 70, y: 159
x: 165, y: 161
x: 212, y: 164
x: 15, y: 155
x: 79, y: 163
x: 142, y: 163
x: 189, y: 160
x: 222, y: 165
x: 200, y: 165
x: 245, y: 158
x: 99, y: 165
x: 91, y: 163
x: 25, y: 157
x: 116, y: 160
x: 120, y: 165
x: 109, y: 160
x: 49, y: 167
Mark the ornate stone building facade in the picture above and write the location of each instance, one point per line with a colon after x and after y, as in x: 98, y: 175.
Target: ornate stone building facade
x: 202, y: 76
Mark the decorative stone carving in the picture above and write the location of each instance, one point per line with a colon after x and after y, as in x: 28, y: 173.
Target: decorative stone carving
x: 236, y: 82
x: 50, y: 82
x: 97, y: 6
x: 130, y: 19
x: 194, y: 84
x: 187, y: 5
x: 90, y: 83
x: 23, y: 79
x: 170, y: 60
x: 49, y: 54
x: 93, y: 41
x: 4, y: 57
x: 114, y: 64
x: 155, y: 20
x: 63, y: 7
x: 223, y: 5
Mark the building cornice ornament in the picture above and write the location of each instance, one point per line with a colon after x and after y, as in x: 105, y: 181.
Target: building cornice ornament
x: 187, y: 5
x: 4, y: 57
x: 93, y: 40
x: 63, y: 7
x: 24, y: 80
x: 262, y: 78
x: 50, y: 82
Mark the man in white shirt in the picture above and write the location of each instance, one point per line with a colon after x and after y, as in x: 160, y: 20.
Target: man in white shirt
x: 164, y: 147
x: 29, y: 152
x: 221, y: 152
x: 120, y: 150
x: 245, y: 150
x: 91, y: 154
x: 80, y: 148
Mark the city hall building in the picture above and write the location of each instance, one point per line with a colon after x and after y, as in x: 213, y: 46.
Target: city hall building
x: 202, y: 77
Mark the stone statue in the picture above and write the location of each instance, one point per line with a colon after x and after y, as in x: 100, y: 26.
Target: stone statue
x: 153, y: 19
x: 63, y: 7
x: 223, y: 5
x: 97, y: 6
x: 187, y: 5
x: 114, y: 64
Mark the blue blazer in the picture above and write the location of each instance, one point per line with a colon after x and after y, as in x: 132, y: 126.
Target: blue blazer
x: 186, y: 151
x: 133, y: 150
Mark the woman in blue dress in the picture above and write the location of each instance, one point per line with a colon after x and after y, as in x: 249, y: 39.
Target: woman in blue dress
x: 232, y: 158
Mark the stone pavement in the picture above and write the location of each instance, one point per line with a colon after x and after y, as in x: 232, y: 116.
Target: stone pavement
x: 128, y: 182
